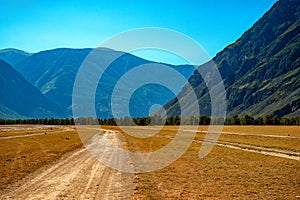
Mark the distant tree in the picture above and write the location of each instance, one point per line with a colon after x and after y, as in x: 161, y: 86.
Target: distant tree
x: 235, y: 120
x: 247, y: 120
x: 111, y: 122
x: 276, y: 120
x: 169, y: 120
x: 156, y: 120
x: 297, y: 121
x: 268, y: 120
x: 259, y: 121
x: 204, y: 120
x: 176, y: 120
x: 193, y: 120
x: 127, y: 121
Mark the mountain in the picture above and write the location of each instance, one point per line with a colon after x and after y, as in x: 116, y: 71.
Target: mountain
x: 53, y: 72
x: 13, y: 56
x: 20, y: 99
x: 260, y: 71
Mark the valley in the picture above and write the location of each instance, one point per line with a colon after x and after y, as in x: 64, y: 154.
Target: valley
x: 119, y: 119
x: 253, y: 161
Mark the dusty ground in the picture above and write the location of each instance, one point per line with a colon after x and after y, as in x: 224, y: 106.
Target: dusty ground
x: 246, y: 163
x: 76, y: 176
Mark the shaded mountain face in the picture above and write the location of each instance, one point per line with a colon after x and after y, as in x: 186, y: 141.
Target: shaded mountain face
x: 54, y: 72
x: 13, y: 56
x: 261, y: 70
x: 20, y: 99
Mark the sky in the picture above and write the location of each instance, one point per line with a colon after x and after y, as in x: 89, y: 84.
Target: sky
x: 36, y: 25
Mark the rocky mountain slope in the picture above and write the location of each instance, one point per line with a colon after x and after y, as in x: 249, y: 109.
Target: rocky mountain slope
x: 261, y: 70
x: 53, y: 72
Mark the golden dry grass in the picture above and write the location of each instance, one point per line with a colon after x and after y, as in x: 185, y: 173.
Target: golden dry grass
x: 21, y: 156
x: 270, y: 130
x: 291, y: 144
x: 31, y: 130
x: 224, y: 174
x: 258, y: 130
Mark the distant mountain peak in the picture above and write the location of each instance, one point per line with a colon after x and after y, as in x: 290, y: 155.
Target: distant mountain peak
x: 14, y: 50
x: 13, y: 56
x: 54, y: 72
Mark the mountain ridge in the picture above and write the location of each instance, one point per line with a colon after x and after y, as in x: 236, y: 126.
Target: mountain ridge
x: 13, y: 56
x: 20, y: 99
x: 260, y: 70
x: 54, y: 71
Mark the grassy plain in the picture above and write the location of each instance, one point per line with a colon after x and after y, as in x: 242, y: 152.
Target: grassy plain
x: 24, y: 155
x: 27, y: 129
x: 225, y: 173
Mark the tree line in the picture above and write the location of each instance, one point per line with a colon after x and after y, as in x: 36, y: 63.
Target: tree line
x: 45, y: 121
x: 158, y: 120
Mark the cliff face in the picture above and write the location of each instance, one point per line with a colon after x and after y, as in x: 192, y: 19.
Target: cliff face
x: 261, y: 70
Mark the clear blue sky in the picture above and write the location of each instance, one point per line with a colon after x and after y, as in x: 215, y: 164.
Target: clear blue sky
x: 35, y: 25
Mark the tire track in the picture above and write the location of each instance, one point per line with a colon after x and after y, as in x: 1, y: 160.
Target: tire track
x: 78, y: 176
x: 288, y: 154
x: 257, y: 149
x: 65, y: 129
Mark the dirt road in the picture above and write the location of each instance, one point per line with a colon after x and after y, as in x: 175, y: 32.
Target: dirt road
x: 76, y: 176
x: 79, y: 175
x: 34, y: 134
x: 288, y: 154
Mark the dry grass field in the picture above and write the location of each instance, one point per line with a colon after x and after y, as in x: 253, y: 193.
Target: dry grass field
x: 13, y: 130
x: 238, y: 167
x: 21, y: 156
x: 225, y: 173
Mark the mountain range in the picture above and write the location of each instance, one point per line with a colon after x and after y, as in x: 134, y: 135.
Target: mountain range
x: 53, y: 73
x: 260, y: 71
x: 20, y: 99
x: 13, y: 56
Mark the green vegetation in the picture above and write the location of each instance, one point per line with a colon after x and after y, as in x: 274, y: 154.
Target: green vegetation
x: 158, y: 120
x: 52, y: 121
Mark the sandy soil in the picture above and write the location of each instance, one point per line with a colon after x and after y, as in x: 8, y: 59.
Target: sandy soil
x: 76, y: 176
